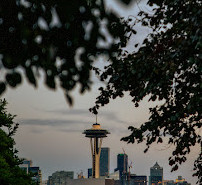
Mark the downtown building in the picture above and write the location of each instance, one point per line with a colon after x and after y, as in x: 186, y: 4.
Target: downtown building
x: 156, y: 175
x: 104, y: 161
x: 34, y: 171
x: 122, y: 166
x: 181, y: 181
x: 178, y: 181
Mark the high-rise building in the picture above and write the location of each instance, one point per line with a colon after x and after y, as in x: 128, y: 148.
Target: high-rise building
x: 156, y: 174
x: 27, y: 162
x: 35, y: 172
x: 90, y: 172
x: 122, y: 165
x: 104, y: 161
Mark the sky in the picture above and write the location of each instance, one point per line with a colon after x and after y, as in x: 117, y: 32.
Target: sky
x: 50, y: 131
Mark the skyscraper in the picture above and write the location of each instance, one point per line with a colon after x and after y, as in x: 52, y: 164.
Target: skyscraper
x: 26, y: 164
x: 104, y: 161
x: 35, y: 172
x: 122, y: 165
x: 156, y: 174
x: 90, y: 172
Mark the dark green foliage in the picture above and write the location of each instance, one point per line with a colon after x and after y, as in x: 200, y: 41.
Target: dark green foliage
x: 10, y: 172
x: 168, y: 68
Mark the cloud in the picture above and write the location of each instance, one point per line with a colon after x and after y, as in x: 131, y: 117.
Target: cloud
x: 71, y: 130
x: 37, y: 130
x: 69, y: 111
x: 39, y: 126
x: 51, y: 122
x: 111, y: 116
x: 77, y: 123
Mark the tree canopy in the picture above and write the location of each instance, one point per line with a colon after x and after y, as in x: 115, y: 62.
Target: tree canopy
x: 60, y: 38
x: 10, y: 172
x: 167, y: 68
x: 63, y: 39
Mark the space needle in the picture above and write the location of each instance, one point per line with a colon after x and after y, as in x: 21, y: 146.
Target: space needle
x: 96, y: 135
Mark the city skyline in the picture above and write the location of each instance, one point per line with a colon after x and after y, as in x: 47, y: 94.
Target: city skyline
x: 156, y: 174
x: 50, y: 132
x: 41, y: 139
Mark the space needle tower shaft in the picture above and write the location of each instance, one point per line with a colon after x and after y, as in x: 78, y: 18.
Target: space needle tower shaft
x: 96, y: 135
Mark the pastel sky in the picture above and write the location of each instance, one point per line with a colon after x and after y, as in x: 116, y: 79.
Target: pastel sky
x: 50, y: 132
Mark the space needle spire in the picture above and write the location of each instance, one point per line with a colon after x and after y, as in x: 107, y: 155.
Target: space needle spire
x: 96, y: 135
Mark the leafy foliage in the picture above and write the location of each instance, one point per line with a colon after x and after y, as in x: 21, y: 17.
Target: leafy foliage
x: 198, y: 167
x: 61, y: 38
x: 10, y: 172
x: 168, y: 68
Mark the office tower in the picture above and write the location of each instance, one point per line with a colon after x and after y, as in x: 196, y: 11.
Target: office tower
x: 96, y: 135
x: 122, y: 165
x: 60, y: 177
x: 156, y: 174
x: 90, y: 172
x: 27, y: 162
x: 25, y: 165
x: 104, y: 161
x: 35, y: 172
